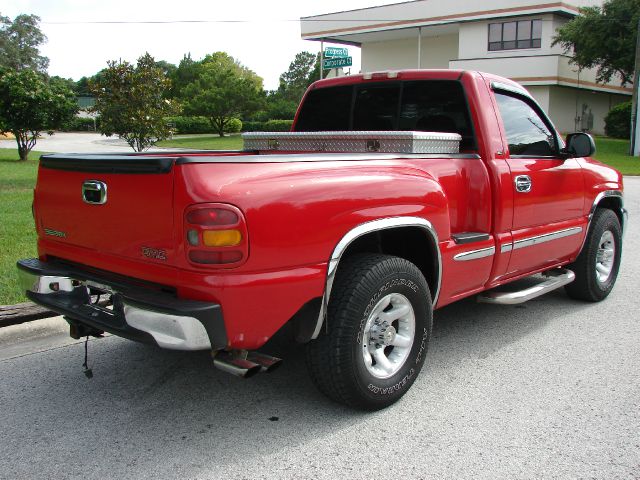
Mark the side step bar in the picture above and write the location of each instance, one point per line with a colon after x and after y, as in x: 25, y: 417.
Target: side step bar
x: 556, y: 278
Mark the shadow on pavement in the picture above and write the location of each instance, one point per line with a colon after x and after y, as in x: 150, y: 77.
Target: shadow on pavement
x: 148, y: 410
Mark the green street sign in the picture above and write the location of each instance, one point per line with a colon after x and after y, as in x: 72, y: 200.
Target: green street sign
x: 330, y: 63
x: 334, y: 52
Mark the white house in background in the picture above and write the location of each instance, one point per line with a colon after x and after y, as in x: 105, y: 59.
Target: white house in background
x: 511, y: 38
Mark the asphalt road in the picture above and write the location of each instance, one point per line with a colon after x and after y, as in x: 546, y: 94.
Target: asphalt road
x: 548, y: 389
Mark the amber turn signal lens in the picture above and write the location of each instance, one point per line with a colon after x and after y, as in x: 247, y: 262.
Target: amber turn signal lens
x: 221, y: 238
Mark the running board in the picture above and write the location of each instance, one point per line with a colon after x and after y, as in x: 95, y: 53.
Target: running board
x: 556, y: 278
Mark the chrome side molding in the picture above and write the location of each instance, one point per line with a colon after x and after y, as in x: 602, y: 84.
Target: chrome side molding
x: 547, y: 237
x: 475, y: 254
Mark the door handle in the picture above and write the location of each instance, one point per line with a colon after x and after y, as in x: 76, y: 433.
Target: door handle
x: 523, y: 183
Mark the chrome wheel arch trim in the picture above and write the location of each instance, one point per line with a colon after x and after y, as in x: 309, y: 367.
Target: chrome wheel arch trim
x: 361, y: 230
x: 596, y: 202
x: 608, y: 194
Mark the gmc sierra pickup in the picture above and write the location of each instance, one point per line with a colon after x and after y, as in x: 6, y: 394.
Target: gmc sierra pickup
x: 395, y: 193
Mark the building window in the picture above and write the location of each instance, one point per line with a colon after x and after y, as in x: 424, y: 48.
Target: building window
x: 514, y: 35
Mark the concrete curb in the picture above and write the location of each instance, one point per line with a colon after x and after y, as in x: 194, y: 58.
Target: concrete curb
x: 23, y: 312
x: 34, y: 329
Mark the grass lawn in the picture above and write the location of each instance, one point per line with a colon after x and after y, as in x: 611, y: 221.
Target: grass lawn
x: 17, y: 232
x: 17, y: 179
x: 615, y: 152
x: 205, y: 142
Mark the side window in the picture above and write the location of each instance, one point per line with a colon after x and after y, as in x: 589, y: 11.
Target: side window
x: 527, y: 134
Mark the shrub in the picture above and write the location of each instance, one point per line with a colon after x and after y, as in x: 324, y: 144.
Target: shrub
x: 278, y: 125
x: 268, y: 126
x: 187, y: 124
x: 252, y: 126
x: 617, y: 123
x: 80, y: 124
x: 233, y: 126
x: 182, y: 124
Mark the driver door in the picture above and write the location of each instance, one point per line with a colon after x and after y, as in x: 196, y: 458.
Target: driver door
x: 548, y: 191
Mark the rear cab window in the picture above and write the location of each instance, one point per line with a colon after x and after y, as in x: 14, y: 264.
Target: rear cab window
x: 422, y: 105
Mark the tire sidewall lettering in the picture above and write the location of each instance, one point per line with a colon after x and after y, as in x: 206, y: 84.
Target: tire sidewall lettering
x: 393, y: 388
x: 397, y: 387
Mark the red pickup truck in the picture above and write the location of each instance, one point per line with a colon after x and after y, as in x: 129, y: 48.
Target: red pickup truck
x: 394, y: 194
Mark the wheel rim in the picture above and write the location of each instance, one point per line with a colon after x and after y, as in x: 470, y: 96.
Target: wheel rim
x: 605, y: 257
x: 388, y: 335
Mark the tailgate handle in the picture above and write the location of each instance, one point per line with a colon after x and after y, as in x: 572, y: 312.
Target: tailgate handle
x: 94, y: 192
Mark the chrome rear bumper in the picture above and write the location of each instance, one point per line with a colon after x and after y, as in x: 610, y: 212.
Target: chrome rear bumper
x: 137, y: 313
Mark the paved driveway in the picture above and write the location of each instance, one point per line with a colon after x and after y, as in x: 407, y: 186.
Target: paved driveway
x: 548, y: 389
x: 76, y: 142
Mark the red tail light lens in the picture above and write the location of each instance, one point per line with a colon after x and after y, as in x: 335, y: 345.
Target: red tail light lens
x: 215, y: 258
x: 212, y: 217
x: 215, y: 234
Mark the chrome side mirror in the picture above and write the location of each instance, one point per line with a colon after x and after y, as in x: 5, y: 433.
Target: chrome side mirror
x: 579, y: 144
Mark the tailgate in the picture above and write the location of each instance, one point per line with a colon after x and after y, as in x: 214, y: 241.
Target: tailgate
x: 116, y: 204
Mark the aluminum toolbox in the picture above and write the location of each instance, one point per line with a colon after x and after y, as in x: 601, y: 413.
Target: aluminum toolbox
x: 354, y: 142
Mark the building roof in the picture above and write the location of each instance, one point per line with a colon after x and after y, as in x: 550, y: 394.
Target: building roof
x: 355, y: 26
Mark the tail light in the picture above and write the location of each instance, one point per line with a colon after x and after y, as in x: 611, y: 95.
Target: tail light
x: 216, y: 235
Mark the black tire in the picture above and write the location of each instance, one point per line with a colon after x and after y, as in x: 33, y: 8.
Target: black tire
x: 336, y: 360
x: 589, y: 285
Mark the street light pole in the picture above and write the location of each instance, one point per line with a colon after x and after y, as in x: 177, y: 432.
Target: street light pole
x: 635, y: 105
x: 321, y: 57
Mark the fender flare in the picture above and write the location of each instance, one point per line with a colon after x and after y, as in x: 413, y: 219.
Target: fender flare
x: 622, y: 212
x: 359, y: 231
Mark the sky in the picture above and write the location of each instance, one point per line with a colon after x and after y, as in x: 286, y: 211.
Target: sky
x: 265, y: 39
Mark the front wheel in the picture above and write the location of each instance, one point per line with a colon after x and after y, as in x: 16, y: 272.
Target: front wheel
x: 597, y: 266
x: 379, y: 321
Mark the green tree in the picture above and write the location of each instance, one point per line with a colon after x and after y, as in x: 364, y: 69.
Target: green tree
x: 31, y: 104
x: 302, y: 72
x: 19, y: 42
x: 223, y: 89
x: 617, y: 123
x: 603, y: 37
x: 131, y: 102
x: 166, y: 67
x: 187, y: 72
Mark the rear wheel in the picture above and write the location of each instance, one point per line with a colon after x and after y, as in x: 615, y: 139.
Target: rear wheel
x: 379, y: 321
x: 597, y: 266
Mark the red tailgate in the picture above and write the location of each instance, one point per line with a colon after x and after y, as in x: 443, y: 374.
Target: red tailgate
x: 133, y: 220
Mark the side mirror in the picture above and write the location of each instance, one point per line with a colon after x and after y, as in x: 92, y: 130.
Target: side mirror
x: 579, y: 144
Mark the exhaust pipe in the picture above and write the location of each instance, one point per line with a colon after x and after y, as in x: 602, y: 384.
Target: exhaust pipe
x: 267, y: 363
x: 235, y: 365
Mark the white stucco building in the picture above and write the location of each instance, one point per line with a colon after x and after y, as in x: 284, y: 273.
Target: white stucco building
x: 511, y: 38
